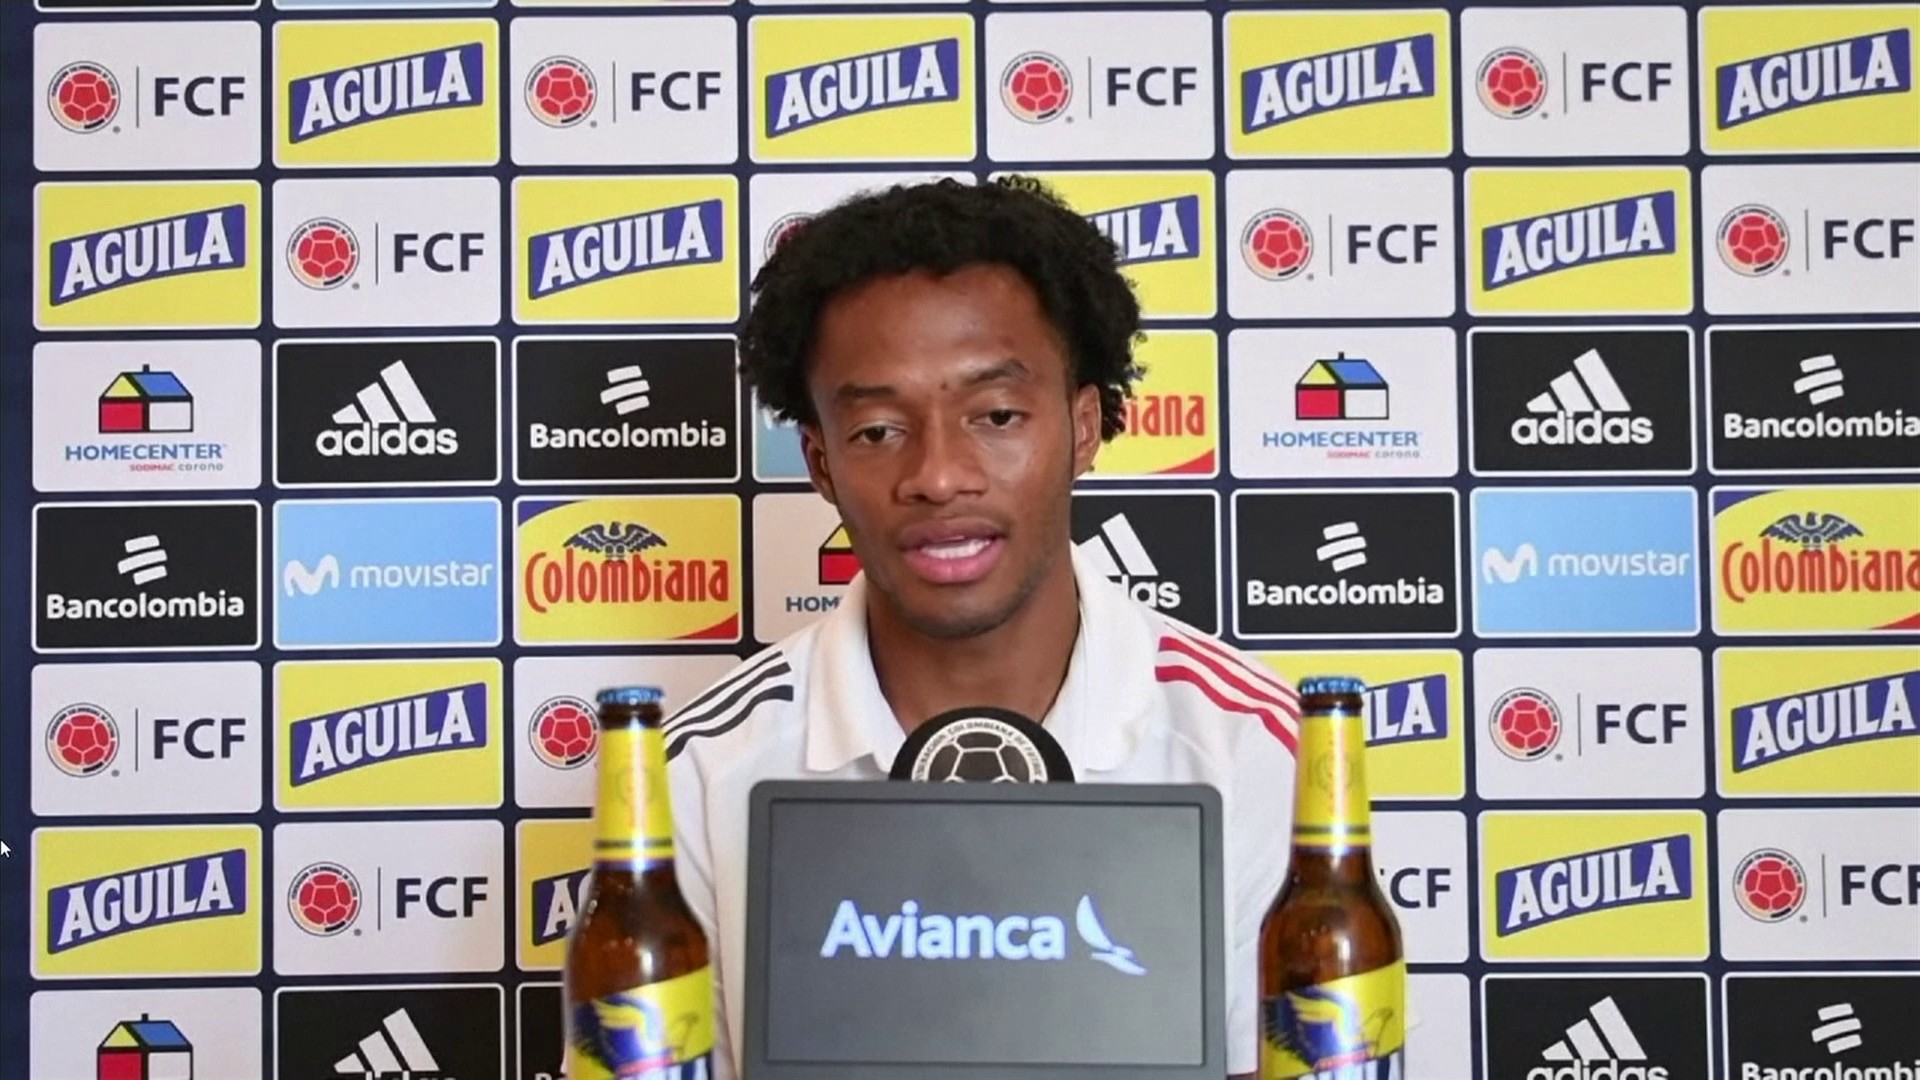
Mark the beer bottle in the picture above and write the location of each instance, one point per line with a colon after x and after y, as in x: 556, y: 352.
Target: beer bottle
x: 1332, y: 969
x: 638, y: 988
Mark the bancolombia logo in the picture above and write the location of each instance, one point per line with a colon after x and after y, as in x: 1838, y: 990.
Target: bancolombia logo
x: 1817, y: 559
x: 912, y: 935
x: 157, y: 576
x: 660, y: 568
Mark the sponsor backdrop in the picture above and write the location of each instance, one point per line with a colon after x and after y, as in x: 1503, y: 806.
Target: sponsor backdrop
x: 369, y: 402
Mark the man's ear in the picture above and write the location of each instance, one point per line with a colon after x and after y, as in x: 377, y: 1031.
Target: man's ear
x: 814, y: 449
x: 1085, y: 409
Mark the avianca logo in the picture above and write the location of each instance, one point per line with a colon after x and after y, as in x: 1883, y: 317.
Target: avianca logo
x: 1766, y: 86
x: 203, y: 887
x: 453, y: 718
x: 331, y: 101
x: 1645, y: 872
x: 650, y: 240
x: 1154, y: 231
x: 94, y: 263
x: 1306, y: 86
x: 1780, y: 728
x: 889, y: 79
x: 911, y: 935
x: 1632, y: 227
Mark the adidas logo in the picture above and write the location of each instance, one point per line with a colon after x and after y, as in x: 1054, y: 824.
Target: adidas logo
x: 1600, y: 1046
x: 1822, y: 380
x: 394, y: 1051
x: 146, y: 560
x: 389, y: 417
x: 1116, y: 551
x: 626, y: 390
x: 1345, y: 547
x: 1839, y: 1029
x: 1583, y: 406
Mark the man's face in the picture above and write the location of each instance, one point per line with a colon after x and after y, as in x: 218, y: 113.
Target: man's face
x: 949, y: 441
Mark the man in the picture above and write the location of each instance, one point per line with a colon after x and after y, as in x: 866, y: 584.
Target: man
x: 953, y: 356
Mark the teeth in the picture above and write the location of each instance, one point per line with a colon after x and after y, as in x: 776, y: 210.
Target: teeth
x: 958, y: 549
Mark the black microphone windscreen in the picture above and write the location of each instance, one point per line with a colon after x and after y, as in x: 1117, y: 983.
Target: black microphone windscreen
x: 982, y: 744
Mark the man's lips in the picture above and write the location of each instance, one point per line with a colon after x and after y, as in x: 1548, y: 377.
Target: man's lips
x: 957, y: 552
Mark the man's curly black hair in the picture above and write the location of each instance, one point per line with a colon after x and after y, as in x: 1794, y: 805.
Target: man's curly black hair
x: 941, y: 226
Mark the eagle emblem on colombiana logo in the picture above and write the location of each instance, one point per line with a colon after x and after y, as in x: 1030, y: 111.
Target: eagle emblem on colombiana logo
x: 1812, y: 529
x: 616, y: 538
x: 629, y: 1034
x: 1323, y: 1028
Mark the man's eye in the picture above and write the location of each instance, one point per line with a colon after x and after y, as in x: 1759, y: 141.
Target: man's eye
x: 1002, y: 417
x: 870, y: 435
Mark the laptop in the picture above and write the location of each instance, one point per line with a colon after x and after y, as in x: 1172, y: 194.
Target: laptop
x: 915, y: 931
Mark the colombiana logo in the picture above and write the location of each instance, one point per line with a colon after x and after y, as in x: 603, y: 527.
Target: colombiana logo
x: 914, y: 74
x: 1036, y: 87
x: 1525, y: 724
x: 1297, y: 88
x: 83, y: 97
x: 324, y: 899
x: 331, y: 101
x: 82, y: 740
x: 1277, y: 245
x: 1769, y: 885
x: 606, y: 564
x: 1763, y: 86
x: 564, y: 732
x: 654, y: 239
x: 1824, y: 564
x: 1512, y: 83
x: 1753, y: 240
x: 323, y: 253
x: 561, y: 91
x: 1635, y: 226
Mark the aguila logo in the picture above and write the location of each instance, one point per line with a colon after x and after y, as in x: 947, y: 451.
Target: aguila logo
x: 324, y: 899
x: 561, y: 92
x: 83, y: 97
x: 323, y: 253
x: 1769, y: 885
x: 1512, y: 83
x: 1036, y: 87
x: 1525, y: 724
x: 1753, y: 240
x: 82, y: 740
x: 1277, y: 244
x: 564, y: 732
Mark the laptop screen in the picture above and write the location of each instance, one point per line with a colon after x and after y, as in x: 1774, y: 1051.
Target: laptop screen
x: 992, y: 926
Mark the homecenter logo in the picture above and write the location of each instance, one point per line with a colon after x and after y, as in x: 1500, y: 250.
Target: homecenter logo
x: 911, y: 935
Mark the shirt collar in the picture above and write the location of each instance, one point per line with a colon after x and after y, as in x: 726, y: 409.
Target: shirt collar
x: 1098, y: 718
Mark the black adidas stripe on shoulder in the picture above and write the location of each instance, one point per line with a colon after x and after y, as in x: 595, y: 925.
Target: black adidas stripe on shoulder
x: 729, y: 702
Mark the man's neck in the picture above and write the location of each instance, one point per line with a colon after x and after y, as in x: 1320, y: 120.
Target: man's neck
x: 1018, y: 665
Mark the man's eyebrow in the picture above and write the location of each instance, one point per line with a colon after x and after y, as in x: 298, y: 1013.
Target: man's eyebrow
x: 1008, y: 369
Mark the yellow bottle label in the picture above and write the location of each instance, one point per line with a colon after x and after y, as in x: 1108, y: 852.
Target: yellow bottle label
x: 1348, y: 1029
x: 1330, y: 808
x: 662, y: 1031
x: 633, y: 818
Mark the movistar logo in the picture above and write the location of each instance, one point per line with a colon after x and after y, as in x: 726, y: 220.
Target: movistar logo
x: 911, y: 935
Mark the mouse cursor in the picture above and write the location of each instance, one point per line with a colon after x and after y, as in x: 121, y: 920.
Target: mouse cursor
x: 5, y: 850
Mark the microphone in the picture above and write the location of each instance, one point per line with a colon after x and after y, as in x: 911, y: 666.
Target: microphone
x: 984, y: 745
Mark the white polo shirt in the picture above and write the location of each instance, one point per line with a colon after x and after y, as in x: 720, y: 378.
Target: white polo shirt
x: 1147, y: 699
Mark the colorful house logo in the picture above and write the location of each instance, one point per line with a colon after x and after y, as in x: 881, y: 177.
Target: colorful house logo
x: 1340, y: 389
x: 838, y: 563
x: 145, y: 402
x: 144, y: 1049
